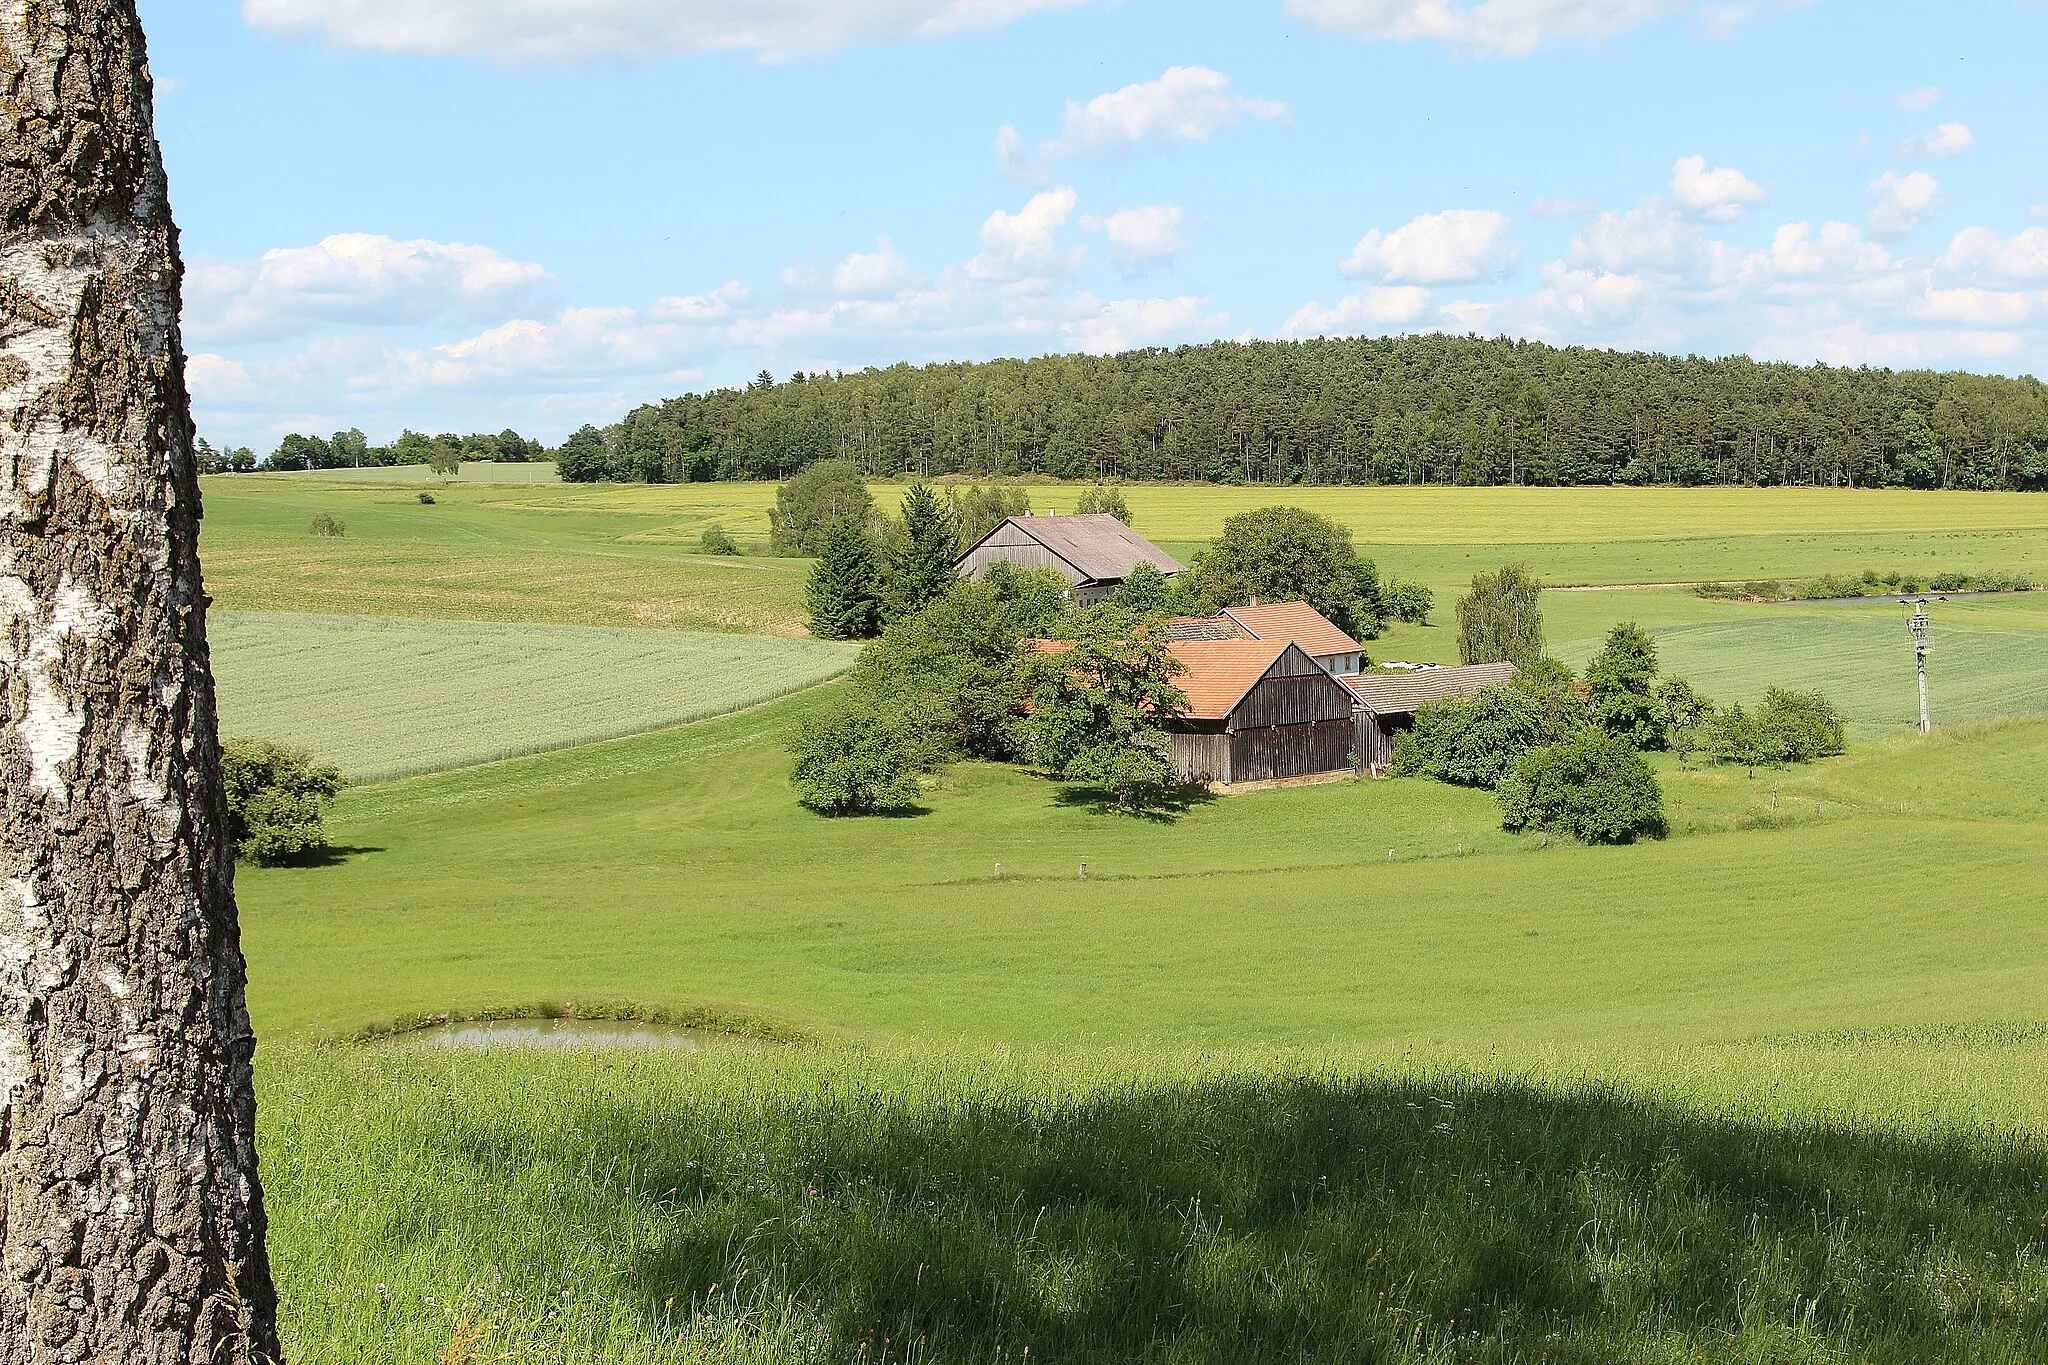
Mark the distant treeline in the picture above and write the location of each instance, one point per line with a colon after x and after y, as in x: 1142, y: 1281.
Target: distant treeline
x: 351, y: 449
x: 1402, y: 410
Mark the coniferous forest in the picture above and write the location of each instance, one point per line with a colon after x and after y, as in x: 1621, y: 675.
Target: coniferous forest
x: 1400, y: 410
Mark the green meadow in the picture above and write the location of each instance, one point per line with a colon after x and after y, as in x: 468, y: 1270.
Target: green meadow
x: 1334, y: 1073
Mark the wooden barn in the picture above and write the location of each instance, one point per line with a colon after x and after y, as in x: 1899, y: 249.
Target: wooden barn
x: 1387, y: 702
x: 1092, y: 551
x: 1258, y: 711
x: 1295, y: 622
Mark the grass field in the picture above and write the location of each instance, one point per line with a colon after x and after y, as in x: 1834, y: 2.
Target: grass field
x: 408, y: 475
x: 1248, y: 1092
x: 387, y: 697
x: 621, y: 554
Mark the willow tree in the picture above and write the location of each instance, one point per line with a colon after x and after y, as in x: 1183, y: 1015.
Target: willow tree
x: 131, y: 1224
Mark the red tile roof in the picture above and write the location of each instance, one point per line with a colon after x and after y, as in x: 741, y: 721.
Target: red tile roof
x: 1219, y: 672
x: 1296, y: 621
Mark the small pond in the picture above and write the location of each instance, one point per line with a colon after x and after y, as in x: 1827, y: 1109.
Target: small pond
x: 564, y: 1034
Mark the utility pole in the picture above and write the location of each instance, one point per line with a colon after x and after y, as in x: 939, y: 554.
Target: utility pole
x: 1918, y: 625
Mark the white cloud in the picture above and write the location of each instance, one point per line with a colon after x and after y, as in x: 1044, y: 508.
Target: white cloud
x: 1455, y: 246
x: 1925, y: 97
x: 1857, y: 343
x: 866, y: 273
x: 1186, y: 104
x: 1562, y: 208
x: 1901, y: 203
x: 1122, y: 324
x: 1379, y: 309
x: 1140, y: 238
x: 1650, y: 236
x: 1837, y: 250
x: 1511, y: 28
x: 719, y: 304
x: 1022, y: 245
x: 1949, y: 139
x: 355, y: 278
x: 1720, y: 195
x: 1983, y: 254
x: 1726, y: 20
x: 577, y: 32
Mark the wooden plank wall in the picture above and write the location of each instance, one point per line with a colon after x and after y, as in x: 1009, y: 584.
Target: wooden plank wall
x: 1202, y: 757
x: 1298, y: 700
x: 1375, y: 744
x: 1281, y: 751
x: 1014, y: 547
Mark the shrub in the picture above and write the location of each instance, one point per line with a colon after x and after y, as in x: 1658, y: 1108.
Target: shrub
x: 277, y: 800
x: 1799, y: 727
x: 1498, y: 620
x: 1473, y: 741
x: 1409, y: 602
x: 716, y: 540
x: 1105, y: 501
x: 1595, y: 788
x: 859, y: 758
x: 1145, y: 591
x: 426, y: 499
x: 326, y: 525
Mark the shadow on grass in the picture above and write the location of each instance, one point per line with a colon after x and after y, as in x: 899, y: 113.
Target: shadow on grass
x: 1164, y: 809
x: 1290, y: 1219
x: 333, y: 855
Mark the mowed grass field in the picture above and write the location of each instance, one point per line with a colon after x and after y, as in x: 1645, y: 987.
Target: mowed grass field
x: 384, y: 697
x: 1250, y: 1091
x: 623, y: 554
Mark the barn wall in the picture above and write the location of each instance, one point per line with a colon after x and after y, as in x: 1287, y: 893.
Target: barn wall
x: 1375, y: 741
x: 1275, y: 752
x: 1297, y: 700
x: 1201, y: 757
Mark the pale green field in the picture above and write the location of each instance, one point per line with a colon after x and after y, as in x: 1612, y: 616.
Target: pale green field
x: 385, y: 697
x: 472, y: 471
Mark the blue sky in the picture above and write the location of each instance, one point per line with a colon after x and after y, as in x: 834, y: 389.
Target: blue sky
x: 468, y: 214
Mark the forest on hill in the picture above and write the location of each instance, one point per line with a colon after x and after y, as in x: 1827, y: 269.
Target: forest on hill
x: 1397, y: 410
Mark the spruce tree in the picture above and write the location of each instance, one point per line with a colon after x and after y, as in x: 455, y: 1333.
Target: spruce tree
x: 845, y: 588
x: 1622, y: 681
x: 921, y: 571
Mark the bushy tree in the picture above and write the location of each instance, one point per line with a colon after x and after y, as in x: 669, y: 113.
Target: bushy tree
x: 1408, y: 602
x: 1104, y: 501
x: 921, y: 560
x: 1473, y: 741
x: 858, y: 757
x: 1685, y: 715
x: 277, y: 799
x: 1145, y: 590
x: 1799, y: 727
x: 1621, y: 684
x: 810, y: 503
x: 444, y: 456
x: 1595, y: 787
x: 583, y: 458
x: 977, y: 510
x: 716, y: 540
x: 844, y: 592
x: 1285, y: 554
x: 1499, y: 620
x: 1100, y: 707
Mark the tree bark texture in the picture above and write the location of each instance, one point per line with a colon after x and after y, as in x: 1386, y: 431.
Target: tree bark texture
x: 131, y: 1223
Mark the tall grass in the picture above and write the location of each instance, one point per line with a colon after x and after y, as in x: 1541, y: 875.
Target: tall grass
x: 761, y: 1204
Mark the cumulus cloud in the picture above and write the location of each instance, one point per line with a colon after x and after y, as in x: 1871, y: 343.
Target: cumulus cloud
x: 1980, y: 253
x: 1651, y: 236
x: 1023, y: 245
x: 1563, y: 208
x: 1122, y: 324
x: 1140, y: 238
x: 1185, y: 104
x: 1720, y: 195
x: 1726, y: 20
x: 1379, y: 309
x: 355, y: 278
x: 578, y: 32
x: 1899, y: 204
x: 1924, y: 97
x: 867, y: 273
x: 1948, y: 139
x: 1452, y: 247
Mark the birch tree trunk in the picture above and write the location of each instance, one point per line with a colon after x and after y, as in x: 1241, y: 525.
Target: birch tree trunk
x: 131, y: 1224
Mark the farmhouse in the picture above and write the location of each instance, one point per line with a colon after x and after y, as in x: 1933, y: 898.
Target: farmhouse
x: 1258, y: 711
x: 1387, y: 702
x: 1295, y: 622
x: 1093, y: 551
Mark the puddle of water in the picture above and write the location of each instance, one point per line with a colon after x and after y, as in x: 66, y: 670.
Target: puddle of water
x: 564, y: 1034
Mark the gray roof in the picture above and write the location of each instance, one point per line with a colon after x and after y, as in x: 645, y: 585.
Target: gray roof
x: 1397, y: 694
x: 1097, y: 544
x: 1204, y: 628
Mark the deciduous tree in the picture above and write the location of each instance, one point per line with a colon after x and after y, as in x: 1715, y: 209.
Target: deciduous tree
x: 1499, y: 620
x: 131, y: 1221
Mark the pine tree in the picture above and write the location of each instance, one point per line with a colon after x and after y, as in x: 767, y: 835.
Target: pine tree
x: 844, y: 592
x: 922, y: 568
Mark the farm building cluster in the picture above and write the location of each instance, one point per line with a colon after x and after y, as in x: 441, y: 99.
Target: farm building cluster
x: 1275, y: 690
